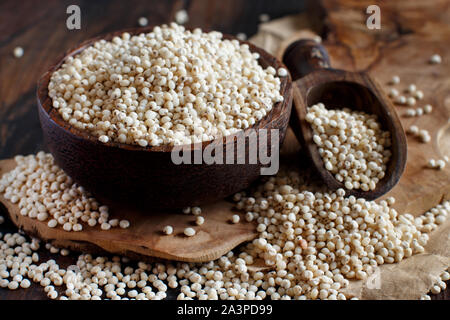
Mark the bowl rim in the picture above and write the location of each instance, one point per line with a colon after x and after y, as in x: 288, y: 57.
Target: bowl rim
x: 45, y: 102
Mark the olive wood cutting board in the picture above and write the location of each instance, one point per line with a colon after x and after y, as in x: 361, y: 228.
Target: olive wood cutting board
x: 144, y: 237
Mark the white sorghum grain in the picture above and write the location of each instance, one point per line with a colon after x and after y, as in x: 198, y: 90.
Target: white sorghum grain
x: 435, y: 289
x: 105, y: 226
x: 47, y: 194
x: 393, y: 93
x: 18, y: 52
x: 103, y: 138
x: 196, y: 211
x: 442, y: 284
x: 400, y: 100
x: 410, y: 113
x: 235, y: 218
x: 52, y: 223
x: 394, y: 80
x: 166, y: 87
x: 352, y: 145
x: 435, y: 59
x: 189, y: 232
x: 124, y: 224
x: 282, y: 72
x: 413, y: 130
x: 432, y: 163
x: 411, y: 88
x: 317, y: 39
x: 264, y: 17
x: 241, y: 36
x: 411, y: 101
x: 427, y: 108
x: 25, y: 283
x: 440, y: 164
x: 13, y: 285
x: 168, y: 230
x: 142, y: 21
x: 54, y: 250
x: 419, y: 112
x: 199, y: 220
x: 52, y: 294
x: 424, y: 136
x: 181, y: 16
x: 418, y: 95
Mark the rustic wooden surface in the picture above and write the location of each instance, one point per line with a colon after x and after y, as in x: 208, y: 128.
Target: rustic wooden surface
x: 40, y: 30
x: 411, y: 32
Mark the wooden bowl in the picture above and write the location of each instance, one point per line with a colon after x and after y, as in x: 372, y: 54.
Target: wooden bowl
x: 147, y: 177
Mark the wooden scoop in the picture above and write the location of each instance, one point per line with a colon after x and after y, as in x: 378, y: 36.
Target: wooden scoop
x: 309, y: 64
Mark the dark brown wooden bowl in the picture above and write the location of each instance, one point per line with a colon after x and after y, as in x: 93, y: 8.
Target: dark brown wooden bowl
x: 147, y: 177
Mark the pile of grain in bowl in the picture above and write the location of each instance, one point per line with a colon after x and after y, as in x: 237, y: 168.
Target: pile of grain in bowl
x: 352, y: 145
x: 168, y: 87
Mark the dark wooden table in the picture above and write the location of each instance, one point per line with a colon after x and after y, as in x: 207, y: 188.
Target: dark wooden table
x: 40, y: 29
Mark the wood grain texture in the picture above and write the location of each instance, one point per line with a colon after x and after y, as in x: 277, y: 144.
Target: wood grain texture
x: 318, y: 82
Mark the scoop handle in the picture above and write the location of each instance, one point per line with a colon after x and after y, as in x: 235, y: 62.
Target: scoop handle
x: 304, y: 56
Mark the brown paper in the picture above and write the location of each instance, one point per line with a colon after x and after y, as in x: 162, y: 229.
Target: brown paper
x: 410, y: 278
x: 413, y: 276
